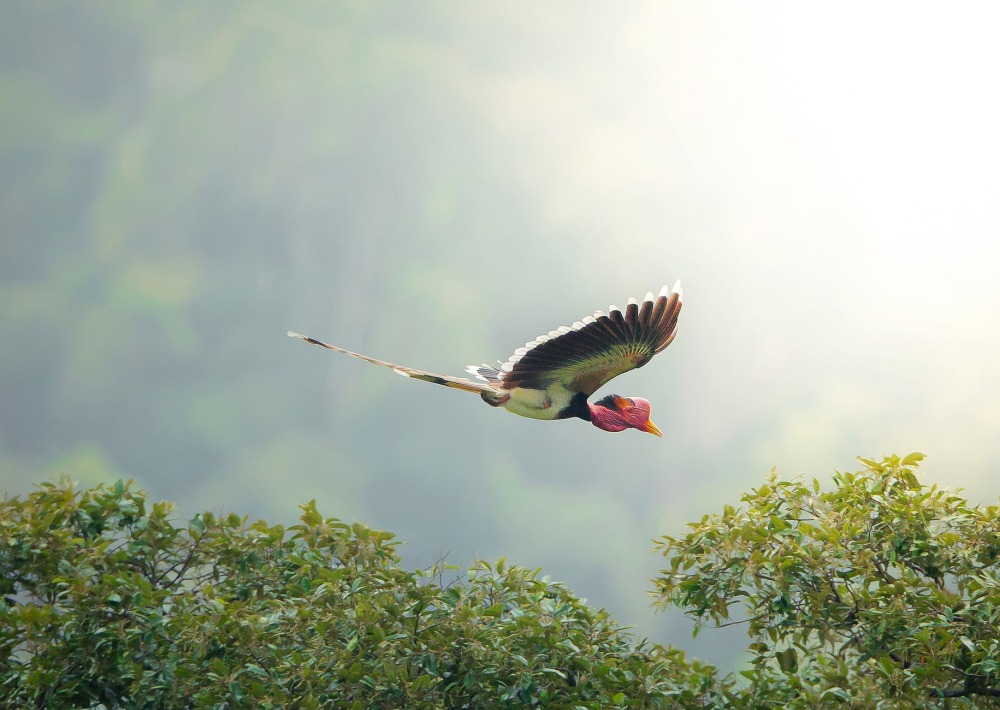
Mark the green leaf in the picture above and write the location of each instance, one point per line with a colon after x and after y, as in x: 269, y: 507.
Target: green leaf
x: 788, y: 660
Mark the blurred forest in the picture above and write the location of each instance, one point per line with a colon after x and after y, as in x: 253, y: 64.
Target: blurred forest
x: 435, y: 184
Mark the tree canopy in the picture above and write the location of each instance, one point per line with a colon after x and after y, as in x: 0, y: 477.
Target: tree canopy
x: 109, y: 602
x: 878, y: 591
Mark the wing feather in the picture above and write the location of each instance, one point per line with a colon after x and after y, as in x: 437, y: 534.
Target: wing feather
x: 597, y: 348
x: 632, y: 313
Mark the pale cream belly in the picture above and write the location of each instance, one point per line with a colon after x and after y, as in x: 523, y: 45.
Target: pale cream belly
x: 538, y: 404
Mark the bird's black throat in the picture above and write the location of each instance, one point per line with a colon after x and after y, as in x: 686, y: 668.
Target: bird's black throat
x: 578, y: 407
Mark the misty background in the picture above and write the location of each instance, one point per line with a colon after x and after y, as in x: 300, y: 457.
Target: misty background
x: 435, y: 184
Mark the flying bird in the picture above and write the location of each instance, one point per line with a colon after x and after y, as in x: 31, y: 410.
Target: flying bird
x: 553, y: 376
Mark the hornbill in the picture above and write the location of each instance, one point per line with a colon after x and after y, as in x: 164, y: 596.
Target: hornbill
x: 552, y: 376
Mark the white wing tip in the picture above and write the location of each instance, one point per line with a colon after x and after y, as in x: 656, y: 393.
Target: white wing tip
x: 293, y: 334
x: 665, y: 291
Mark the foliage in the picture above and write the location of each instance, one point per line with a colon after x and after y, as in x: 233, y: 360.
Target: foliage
x: 879, y: 592
x: 108, y: 602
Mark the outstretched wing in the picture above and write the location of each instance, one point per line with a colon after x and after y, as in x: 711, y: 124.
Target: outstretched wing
x: 590, y: 353
x: 456, y: 382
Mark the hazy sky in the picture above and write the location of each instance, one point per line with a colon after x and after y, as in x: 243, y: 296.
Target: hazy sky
x: 824, y: 180
x: 829, y: 177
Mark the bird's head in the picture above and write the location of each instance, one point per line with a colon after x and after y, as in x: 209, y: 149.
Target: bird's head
x: 617, y: 413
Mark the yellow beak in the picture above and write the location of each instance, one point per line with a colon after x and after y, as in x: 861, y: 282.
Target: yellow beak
x: 652, y: 428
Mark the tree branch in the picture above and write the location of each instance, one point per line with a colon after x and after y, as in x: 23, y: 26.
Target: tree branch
x: 963, y: 692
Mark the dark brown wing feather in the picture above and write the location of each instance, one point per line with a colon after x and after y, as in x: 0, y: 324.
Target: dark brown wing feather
x: 594, y: 351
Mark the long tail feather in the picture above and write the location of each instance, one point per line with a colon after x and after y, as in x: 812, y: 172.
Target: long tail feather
x: 457, y: 382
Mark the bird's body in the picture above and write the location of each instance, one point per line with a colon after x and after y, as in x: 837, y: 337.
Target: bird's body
x: 552, y: 376
x: 552, y: 403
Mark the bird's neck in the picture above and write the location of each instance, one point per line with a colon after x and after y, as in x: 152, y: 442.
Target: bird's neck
x: 607, y: 419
